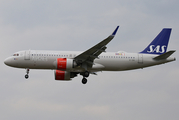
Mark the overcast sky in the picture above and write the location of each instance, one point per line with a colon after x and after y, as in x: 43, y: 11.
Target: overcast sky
x: 143, y: 94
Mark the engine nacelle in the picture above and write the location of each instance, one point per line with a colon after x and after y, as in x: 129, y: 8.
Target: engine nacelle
x: 65, y: 64
x: 64, y: 75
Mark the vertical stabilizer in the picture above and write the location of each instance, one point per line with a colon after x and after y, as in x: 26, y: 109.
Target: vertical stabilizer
x: 159, y: 44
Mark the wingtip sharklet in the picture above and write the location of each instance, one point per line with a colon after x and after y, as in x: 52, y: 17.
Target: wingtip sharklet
x: 115, y: 31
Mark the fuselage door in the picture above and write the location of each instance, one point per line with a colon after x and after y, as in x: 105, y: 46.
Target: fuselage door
x: 27, y: 55
x: 140, y: 58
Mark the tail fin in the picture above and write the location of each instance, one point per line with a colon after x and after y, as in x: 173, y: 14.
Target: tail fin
x: 159, y: 44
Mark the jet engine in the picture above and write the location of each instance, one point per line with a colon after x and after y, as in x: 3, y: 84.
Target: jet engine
x: 65, y: 64
x: 64, y: 75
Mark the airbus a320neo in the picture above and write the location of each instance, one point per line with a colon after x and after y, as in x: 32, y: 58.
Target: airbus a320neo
x: 68, y: 64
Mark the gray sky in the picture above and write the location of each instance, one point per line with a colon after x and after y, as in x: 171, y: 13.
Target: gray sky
x: 150, y: 93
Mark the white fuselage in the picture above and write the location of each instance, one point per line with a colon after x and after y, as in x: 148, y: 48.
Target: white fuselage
x: 68, y: 64
x: 108, y: 61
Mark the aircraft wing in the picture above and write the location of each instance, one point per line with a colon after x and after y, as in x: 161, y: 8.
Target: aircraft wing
x: 89, y: 55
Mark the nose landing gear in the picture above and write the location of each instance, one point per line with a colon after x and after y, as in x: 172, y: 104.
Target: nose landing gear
x: 27, y: 75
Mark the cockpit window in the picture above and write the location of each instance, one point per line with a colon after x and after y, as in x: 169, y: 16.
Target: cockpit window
x: 16, y: 55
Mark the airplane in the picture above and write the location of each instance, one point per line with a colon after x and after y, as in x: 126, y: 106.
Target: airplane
x: 68, y: 64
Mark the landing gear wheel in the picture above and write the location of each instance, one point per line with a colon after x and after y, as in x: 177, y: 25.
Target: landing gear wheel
x: 26, y: 76
x: 27, y: 71
x: 84, y: 80
x: 86, y: 74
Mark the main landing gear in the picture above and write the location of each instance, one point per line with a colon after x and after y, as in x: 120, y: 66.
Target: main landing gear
x: 27, y: 75
x: 85, y: 74
x: 84, y: 80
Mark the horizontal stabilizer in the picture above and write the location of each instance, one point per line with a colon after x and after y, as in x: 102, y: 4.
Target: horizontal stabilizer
x: 165, y: 55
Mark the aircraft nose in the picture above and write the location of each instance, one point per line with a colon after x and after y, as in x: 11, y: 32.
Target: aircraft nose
x: 7, y: 61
